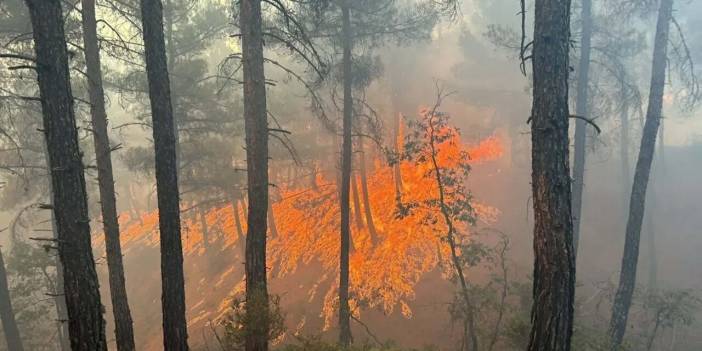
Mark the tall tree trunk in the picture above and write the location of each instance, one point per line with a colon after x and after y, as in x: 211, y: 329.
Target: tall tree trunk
x: 175, y: 332
x: 86, y: 325
x: 554, y: 259
x: 124, y: 332
x: 7, y: 314
x: 582, y: 110
x: 364, y: 189
x: 345, y: 337
x: 627, y: 277
x: 170, y: 57
x: 256, y: 126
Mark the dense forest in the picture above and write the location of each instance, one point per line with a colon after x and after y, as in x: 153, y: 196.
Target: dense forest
x: 360, y: 175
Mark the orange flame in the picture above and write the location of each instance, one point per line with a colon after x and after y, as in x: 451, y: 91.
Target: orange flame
x: 383, y: 270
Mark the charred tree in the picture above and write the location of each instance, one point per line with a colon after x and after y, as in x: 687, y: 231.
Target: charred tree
x: 627, y: 276
x: 237, y: 220
x: 124, y: 332
x: 554, y: 259
x: 256, y: 128
x: 271, y: 220
x: 7, y: 314
x: 364, y: 191
x: 581, y: 110
x: 86, y: 325
x: 356, y: 204
x: 345, y: 337
x: 175, y: 333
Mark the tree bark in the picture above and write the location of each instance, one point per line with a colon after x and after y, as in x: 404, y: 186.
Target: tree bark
x: 86, y: 325
x: 256, y: 126
x: 175, y: 333
x: 7, y: 314
x: 582, y: 110
x: 124, y: 332
x: 345, y: 337
x: 627, y: 277
x: 554, y: 259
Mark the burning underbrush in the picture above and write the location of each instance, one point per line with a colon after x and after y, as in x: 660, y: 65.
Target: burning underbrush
x: 391, y: 253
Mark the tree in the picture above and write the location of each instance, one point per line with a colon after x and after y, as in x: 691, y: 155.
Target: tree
x: 581, y: 110
x: 554, y: 261
x: 256, y: 126
x: 345, y: 337
x: 429, y: 135
x: 175, y: 333
x: 364, y: 26
x: 124, y: 332
x: 7, y: 314
x: 86, y: 325
x: 627, y: 276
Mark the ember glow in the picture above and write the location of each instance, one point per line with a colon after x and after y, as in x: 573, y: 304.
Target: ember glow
x: 384, y: 269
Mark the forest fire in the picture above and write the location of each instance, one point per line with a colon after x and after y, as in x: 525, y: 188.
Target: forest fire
x: 387, y: 261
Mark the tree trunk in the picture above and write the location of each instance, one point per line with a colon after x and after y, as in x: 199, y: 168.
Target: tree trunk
x: 170, y: 62
x: 85, y: 321
x: 271, y: 220
x: 554, y: 259
x: 237, y: 222
x: 175, y: 333
x: 7, y: 314
x: 364, y: 189
x: 356, y: 204
x: 469, y: 327
x: 124, y: 332
x: 582, y: 110
x: 256, y: 126
x: 627, y: 277
x: 345, y: 337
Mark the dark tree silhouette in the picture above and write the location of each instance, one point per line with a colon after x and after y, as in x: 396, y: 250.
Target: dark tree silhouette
x: 7, y: 314
x: 124, y: 332
x: 630, y: 258
x: 86, y: 325
x: 175, y: 333
x: 554, y: 262
x: 256, y: 126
